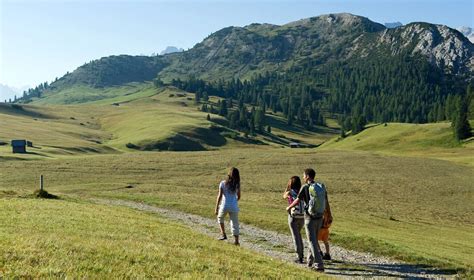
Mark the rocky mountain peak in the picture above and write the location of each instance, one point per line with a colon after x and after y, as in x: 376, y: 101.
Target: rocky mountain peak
x: 442, y: 45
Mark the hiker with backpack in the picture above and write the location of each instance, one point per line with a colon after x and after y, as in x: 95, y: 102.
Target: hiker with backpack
x: 227, y: 202
x: 315, y: 201
x: 295, y: 215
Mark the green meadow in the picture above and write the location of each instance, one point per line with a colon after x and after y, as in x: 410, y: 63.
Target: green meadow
x: 400, y: 190
x: 63, y: 238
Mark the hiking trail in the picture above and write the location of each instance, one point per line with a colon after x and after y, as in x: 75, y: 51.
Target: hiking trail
x: 345, y: 264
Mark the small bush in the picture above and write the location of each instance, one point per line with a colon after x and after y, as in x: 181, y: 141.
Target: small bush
x: 228, y: 134
x: 131, y: 146
x: 44, y: 194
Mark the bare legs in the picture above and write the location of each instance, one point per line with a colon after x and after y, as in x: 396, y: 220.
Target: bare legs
x: 221, y: 225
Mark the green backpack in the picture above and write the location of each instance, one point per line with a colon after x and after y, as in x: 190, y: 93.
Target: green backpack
x: 317, y: 200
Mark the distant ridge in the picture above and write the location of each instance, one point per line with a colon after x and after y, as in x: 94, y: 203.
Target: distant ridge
x: 468, y: 32
x: 393, y: 24
x: 171, y: 49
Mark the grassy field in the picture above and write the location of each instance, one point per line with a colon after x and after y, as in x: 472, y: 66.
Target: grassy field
x: 67, y: 238
x: 401, y: 190
x: 415, y: 209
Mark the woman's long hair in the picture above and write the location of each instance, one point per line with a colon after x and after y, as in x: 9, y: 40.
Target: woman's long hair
x: 233, y: 179
x: 294, y: 184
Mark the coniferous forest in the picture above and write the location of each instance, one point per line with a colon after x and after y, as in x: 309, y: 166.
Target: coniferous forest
x: 401, y: 88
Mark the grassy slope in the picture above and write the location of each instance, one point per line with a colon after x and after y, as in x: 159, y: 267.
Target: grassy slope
x: 142, y: 116
x: 425, y: 140
x: 73, y: 239
x: 54, y: 131
x: 417, y: 209
x: 81, y: 94
x: 139, y: 114
x: 153, y: 120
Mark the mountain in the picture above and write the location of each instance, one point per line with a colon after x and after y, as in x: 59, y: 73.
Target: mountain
x: 243, y: 52
x: 393, y: 24
x: 171, y: 49
x: 440, y: 45
x: 468, y: 32
x: 112, y: 71
x: 7, y: 92
x: 338, y: 65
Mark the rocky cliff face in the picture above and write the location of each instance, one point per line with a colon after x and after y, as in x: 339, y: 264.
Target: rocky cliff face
x: 441, y: 45
x: 243, y: 51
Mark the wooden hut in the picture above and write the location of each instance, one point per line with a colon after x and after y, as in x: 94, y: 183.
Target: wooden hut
x: 19, y: 146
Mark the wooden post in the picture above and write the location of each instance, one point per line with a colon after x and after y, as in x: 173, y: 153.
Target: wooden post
x: 41, y: 182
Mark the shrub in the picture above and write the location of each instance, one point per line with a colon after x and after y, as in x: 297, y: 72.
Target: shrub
x: 131, y: 146
x: 44, y: 194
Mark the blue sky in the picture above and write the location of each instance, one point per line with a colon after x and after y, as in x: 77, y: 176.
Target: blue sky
x: 41, y: 40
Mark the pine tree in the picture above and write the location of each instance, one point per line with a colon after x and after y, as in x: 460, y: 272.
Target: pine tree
x: 343, y: 133
x: 197, y: 98
x: 462, y: 128
x: 208, y: 117
x: 358, y: 123
x: 259, y: 119
x: 223, y: 108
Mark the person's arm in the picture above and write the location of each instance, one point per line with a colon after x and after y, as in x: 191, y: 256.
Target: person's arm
x: 219, y: 197
x: 286, y: 194
x: 328, y: 208
x: 293, y: 204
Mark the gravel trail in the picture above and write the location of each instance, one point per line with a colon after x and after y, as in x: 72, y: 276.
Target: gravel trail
x: 345, y: 264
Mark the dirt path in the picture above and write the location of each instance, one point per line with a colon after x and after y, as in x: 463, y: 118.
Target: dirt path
x: 345, y: 263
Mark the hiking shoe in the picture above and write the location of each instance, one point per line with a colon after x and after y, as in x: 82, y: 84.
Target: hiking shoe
x: 236, y: 243
x: 327, y: 257
x: 310, y: 262
x: 298, y: 260
x: 223, y: 237
x: 320, y: 269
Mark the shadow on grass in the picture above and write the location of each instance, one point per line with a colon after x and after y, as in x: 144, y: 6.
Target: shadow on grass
x: 413, y: 269
x: 44, y: 194
x: 281, y: 124
x: 401, y: 271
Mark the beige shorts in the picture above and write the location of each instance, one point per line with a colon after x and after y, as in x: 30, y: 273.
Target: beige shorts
x: 234, y: 220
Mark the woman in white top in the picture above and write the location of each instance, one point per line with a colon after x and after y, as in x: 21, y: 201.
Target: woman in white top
x: 227, y: 202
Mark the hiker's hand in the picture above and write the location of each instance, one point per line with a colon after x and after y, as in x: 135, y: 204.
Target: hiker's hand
x: 288, y: 209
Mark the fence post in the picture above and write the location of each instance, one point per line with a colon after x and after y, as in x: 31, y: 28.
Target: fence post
x: 41, y: 182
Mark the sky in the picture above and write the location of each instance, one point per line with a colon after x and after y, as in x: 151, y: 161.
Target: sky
x: 41, y: 40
